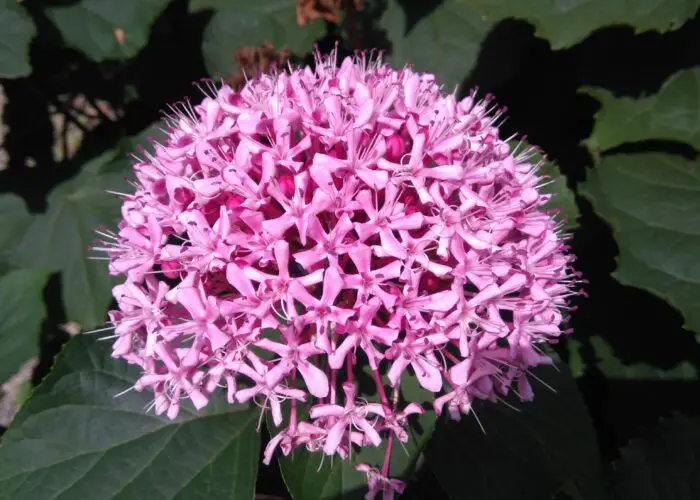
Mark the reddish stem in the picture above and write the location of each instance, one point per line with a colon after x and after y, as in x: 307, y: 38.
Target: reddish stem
x: 334, y: 376
x: 387, y: 455
x: 293, y: 415
x: 450, y: 356
x: 380, y: 388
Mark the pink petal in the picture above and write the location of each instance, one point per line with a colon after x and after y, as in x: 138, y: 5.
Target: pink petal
x: 443, y: 172
x: 280, y: 371
x: 441, y: 301
x: 198, y: 399
x: 236, y: 277
x: 279, y: 225
x: 325, y: 410
x: 485, y: 295
x: 429, y: 376
x: 276, y: 347
x: 312, y: 278
x: 334, y: 437
x: 391, y: 245
x: 364, y: 113
x: 337, y: 357
x: 377, y: 179
x: 217, y: 338
x: 272, y: 446
x: 166, y: 356
x: 369, y: 431
x: 307, y: 258
x: 276, y: 410
x: 361, y: 256
x: 316, y: 381
x: 440, y: 402
x: 191, y: 299
x: 332, y: 285
x: 244, y: 395
x: 397, y: 368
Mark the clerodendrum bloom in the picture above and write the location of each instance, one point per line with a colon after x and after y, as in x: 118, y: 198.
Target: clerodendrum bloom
x: 325, y: 221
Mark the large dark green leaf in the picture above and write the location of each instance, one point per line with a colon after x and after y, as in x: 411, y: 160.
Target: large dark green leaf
x: 565, y: 23
x: 74, y: 439
x: 613, y: 368
x: 14, y: 220
x: 529, y: 454
x: 199, y: 5
x: 91, y: 26
x: 652, y: 201
x: 17, y: 30
x: 59, y: 239
x: 21, y: 314
x: 241, y: 23
x: 663, y: 465
x: 446, y: 42
x: 307, y: 478
x: 672, y: 114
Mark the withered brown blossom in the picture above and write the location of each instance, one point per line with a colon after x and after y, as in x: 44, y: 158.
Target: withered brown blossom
x: 257, y: 60
x: 328, y: 10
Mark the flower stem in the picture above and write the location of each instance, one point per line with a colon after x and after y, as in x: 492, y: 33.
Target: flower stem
x: 293, y: 415
x: 380, y: 388
x: 387, y: 455
x: 334, y: 376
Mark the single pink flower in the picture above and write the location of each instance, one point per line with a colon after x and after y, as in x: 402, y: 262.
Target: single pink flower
x: 343, y: 419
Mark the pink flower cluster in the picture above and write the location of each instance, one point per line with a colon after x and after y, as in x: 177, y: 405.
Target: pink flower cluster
x: 329, y: 220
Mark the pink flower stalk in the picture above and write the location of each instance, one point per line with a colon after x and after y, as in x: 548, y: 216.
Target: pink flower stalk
x: 326, y: 221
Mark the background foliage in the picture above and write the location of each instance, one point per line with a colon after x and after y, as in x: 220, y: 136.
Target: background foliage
x: 610, y: 89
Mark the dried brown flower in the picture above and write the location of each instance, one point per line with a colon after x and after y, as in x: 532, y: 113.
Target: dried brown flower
x: 256, y: 60
x: 328, y: 10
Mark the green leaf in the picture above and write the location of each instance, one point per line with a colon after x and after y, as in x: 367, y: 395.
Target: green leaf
x: 75, y: 439
x: 575, y: 361
x: 614, y: 368
x: 122, y: 163
x: 672, y: 114
x: 242, y: 23
x: 652, y: 201
x: 527, y: 454
x: 664, y: 464
x: 565, y: 23
x: 91, y: 26
x: 310, y: 476
x: 200, y: 5
x: 21, y: 313
x: 17, y: 30
x: 446, y: 42
x: 59, y: 239
x: 14, y: 219
x: 563, y: 198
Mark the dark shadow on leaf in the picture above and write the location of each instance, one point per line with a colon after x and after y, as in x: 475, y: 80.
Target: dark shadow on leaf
x: 537, y: 86
x: 52, y: 336
x: 639, y: 327
x: 670, y: 147
x: 415, y: 11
